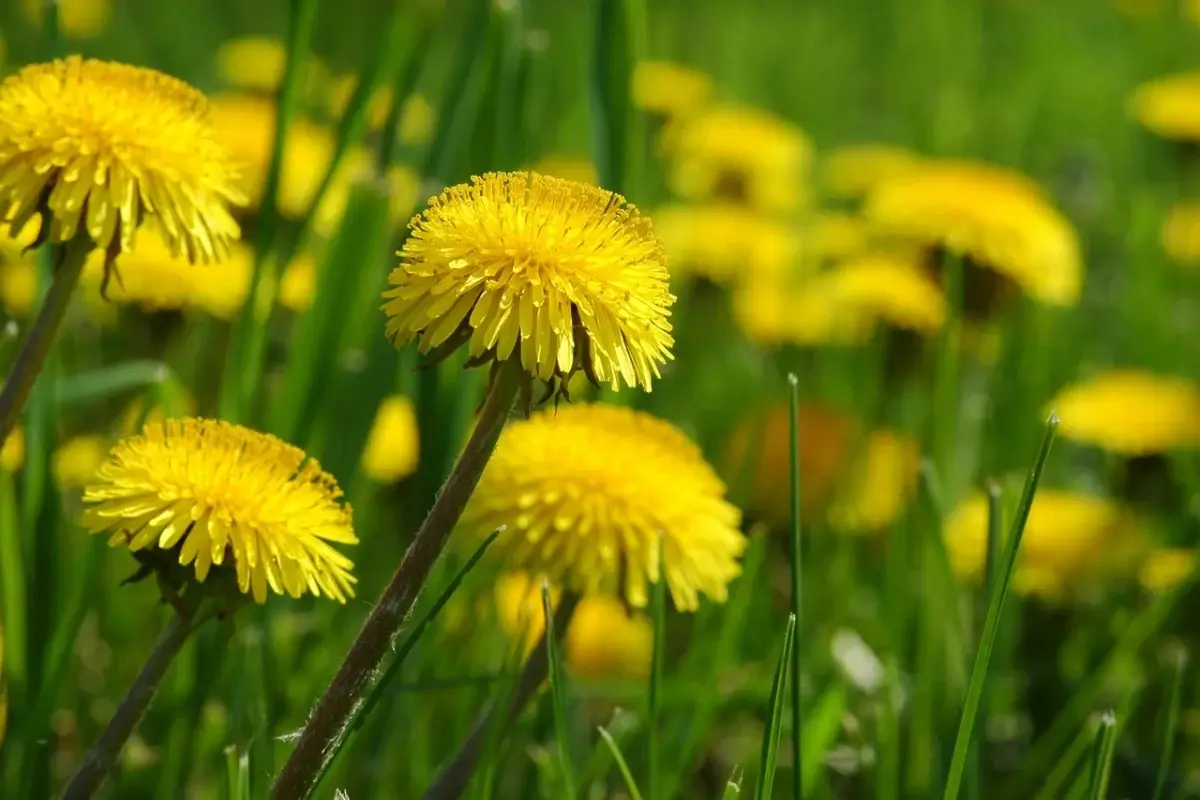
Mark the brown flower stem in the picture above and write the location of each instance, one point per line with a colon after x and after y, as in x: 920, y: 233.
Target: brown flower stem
x: 100, y: 758
x: 335, y: 708
x: 453, y: 780
x: 70, y: 259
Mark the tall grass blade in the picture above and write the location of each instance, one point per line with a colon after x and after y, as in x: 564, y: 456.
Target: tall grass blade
x: 774, y: 729
x: 105, y: 382
x: 1008, y: 562
x: 1170, y: 724
x: 733, y: 786
x: 630, y: 783
x: 618, y: 127
x: 658, y: 655
x: 1103, y: 747
x: 558, y: 695
x: 797, y: 585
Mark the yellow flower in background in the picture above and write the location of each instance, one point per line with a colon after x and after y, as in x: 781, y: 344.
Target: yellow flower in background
x: 1181, y: 233
x: 669, y: 89
x: 218, y: 491
x: 1131, y: 412
x: 1170, y: 106
x: 1140, y: 9
x: 1191, y: 11
x: 298, y: 285
x: 417, y: 120
x: 257, y: 63
x: 560, y: 275
x: 1070, y: 538
x: 570, y: 168
x: 725, y: 242
x: 150, y: 277
x: 996, y: 218
x: 603, y: 640
x: 740, y: 155
x: 886, y: 287
x: 401, y: 183
x: 772, y: 311
x: 852, y: 171
x: 1167, y: 568
x: 78, y: 19
x: 377, y: 107
x: 833, y: 236
x: 18, y: 274
x: 393, y: 445
x: 75, y: 461
x: 12, y: 452
x: 102, y: 148
x: 878, y: 485
x: 585, y: 493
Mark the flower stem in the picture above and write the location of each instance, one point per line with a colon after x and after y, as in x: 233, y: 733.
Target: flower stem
x: 100, y: 758
x: 453, y: 780
x: 32, y: 356
x: 337, y: 705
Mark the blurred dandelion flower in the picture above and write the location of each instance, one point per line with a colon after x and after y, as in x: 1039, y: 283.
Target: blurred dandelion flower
x: 669, y: 89
x: 882, y: 286
x: 1070, y: 539
x: 216, y: 491
x: 560, y: 275
x: 570, y: 168
x: 18, y: 274
x: 725, y: 242
x: 740, y: 155
x: 1170, y: 106
x: 771, y: 311
x: 12, y: 451
x: 877, y: 487
x: 992, y: 217
x: 393, y: 445
x: 585, y: 493
x: 298, y: 285
x: 75, y: 461
x: 1166, y: 568
x: 377, y: 107
x: 155, y: 280
x: 834, y: 236
x: 1131, y: 412
x: 257, y: 63
x: 852, y: 171
x: 102, y: 148
x: 1181, y: 233
x: 78, y: 19
x: 603, y: 639
x: 417, y: 119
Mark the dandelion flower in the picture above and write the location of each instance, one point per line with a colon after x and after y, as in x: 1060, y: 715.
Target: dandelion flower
x: 725, y: 242
x: 257, y: 63
x: 771, y: 312
x: 1170, y: 106
x: 298, y: 285
x: 994, y: 218
x: 834, y: 236
x: 12, y: 451
x: 1181, y: 233
x: 740, y: 155
x: 585, y: 493
x: 1131, y: 412
x: 879, y: 485
x: 1070, y: 538
x: 76, y: 461
x: 854, y: 170
x: 560, y: 275
x: 393, y: 443
x: 889, y: 288
x: 669, y: 89
x: 1167, y: 568
x: 18, y: 275
x: 217, y: 491
x: 100, y: 148
x: 78, y: 19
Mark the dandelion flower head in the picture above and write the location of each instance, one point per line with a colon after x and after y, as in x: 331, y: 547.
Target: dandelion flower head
x: 1170, y: 106
x: 1181, y: 233
x: 996, y: 218
x: 12, y: 451
x: 78, y: 19
x: 393, y: 445
x: 725, y: 242
x: 101, y: 148
x: 1132, y: 412
x: 886, y: 287
x: 558, y: 275
x: 853, y: 171
x: 77, y: 459
x: 257, y: 63
x: 221, y: 492
x: 878, y: 485
x: 18, y: 275
x: 1166, y: 568
x: 771, y: 312
x: 585, y: 493
x: 298, y: 284
x: 669, y: 89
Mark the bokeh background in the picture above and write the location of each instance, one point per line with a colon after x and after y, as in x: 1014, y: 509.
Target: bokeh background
x: 946, y: 219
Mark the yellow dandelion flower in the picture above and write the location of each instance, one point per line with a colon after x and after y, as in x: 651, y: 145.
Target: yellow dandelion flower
x: 1166, y: 568
x: 257, y: 63
x: 1170, y: 106
x: 12, y: 452
x: 299, y: 283
x: 1140, y: 9
x: 101, y: 148
x: 217, y: 491
x: 417, y: 119
x: 393, y: 445
x: 18, y: 274
x: 585, y: 493
x: 151, y: 278
x: 570, y: 168
x: 1181, y: 233
x: 725, y: 242
x: 771, y: 312
x: 1069, y: 539
x: 401, y: 184
x: 889, y: 288
x: 560, y: 275
x: 377, y: 107
x: 76, y: 461
x: 854, y: 170
x: 879, y: 485
x: 78, y: 19
x: 834, y: 236
x: 1131, y: 412
x: 740, y: 155
x: 669, y: 89
x: 995, y: 218
x: 1191, y: 11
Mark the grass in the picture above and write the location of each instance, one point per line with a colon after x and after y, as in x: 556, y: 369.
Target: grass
x: 973, y: 690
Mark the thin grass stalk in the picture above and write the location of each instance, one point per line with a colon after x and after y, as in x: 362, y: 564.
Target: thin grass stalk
x: 1103, y: 748
x: 558, y: 694
x: 622, y: 766
x: 797, y: 585
x: 654, y: 696
x: 774, y: 728
x: 335, y: 708
x: 991, y: 625
x: 1170, y: 725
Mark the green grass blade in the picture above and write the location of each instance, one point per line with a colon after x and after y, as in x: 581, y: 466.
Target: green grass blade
x: 995, y: 537
x: 774, y: 729
x: 733, y: 787
x: 658, y: 654
x: 1103, y: 747
x: 825, y: 723
x: 619, y: 41
x: 558, y: 694
x: 1008, y: 563
x: 1170, y: 724
x: 1055, y: 785
x: 797, y: 585
x: 12, y: 589
x: 630, y: 783
x: 105, y: 382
